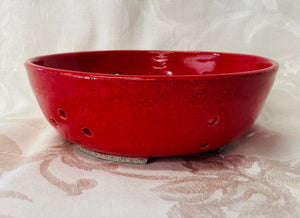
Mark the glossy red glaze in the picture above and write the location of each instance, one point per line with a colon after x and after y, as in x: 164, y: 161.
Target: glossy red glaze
x: 151, y: 103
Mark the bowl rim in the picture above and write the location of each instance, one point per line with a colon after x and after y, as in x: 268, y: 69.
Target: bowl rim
x: 92, y: 75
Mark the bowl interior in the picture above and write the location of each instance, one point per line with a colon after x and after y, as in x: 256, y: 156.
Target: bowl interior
x: 154, y: 62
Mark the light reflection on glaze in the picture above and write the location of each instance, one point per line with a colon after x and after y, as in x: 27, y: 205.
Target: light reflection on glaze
x: 201, y: 64
x: 159, y: 64
x: 198, y: 64
x: 169, y: 73
x: 159, y: 61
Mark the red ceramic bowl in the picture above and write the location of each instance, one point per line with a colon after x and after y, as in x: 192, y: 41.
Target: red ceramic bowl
x: 151, y: 103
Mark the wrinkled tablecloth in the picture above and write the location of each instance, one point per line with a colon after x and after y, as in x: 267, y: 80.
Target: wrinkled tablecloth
x: 42, y: 175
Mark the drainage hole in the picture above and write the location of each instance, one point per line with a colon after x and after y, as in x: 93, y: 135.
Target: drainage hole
x: 204, y: 145
x: 53, y: 122
x: 87, y: 132
x: 213, y: 121
x: 62, y: 114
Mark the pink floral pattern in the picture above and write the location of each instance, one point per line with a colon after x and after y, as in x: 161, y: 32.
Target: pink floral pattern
x: 209, y: 184
x: 222, y: 183
x: 43, y: 176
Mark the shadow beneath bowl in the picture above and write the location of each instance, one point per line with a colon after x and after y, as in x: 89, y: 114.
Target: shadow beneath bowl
x: 257, y: 141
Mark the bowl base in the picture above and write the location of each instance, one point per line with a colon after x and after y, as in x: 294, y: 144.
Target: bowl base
x: 118, y: 159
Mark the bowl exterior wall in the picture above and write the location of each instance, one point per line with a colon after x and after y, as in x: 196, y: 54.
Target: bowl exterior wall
x: 149, y: 117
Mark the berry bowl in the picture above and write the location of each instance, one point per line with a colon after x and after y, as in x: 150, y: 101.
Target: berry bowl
x: 131, y: 105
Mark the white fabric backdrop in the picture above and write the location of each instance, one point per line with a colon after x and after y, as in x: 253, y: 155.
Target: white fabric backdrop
x: 42, y: 175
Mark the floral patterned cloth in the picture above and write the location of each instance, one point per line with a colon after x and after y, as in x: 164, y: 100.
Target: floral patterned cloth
x: 42, y: 175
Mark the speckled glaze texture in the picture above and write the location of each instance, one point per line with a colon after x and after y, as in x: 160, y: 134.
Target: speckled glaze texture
x: 151, y: 103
